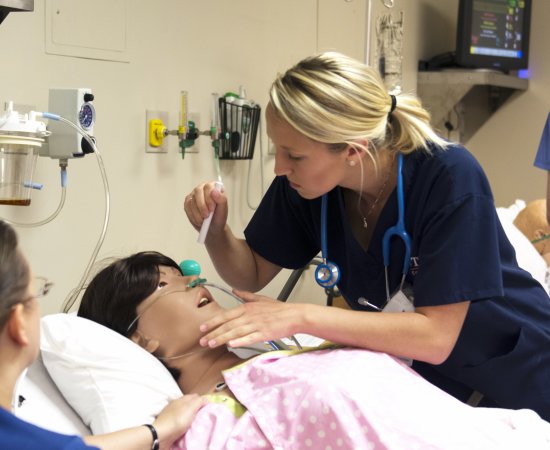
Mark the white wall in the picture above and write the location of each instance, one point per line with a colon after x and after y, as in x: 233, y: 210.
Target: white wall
x: 203, y: 47
x: 507, y: 144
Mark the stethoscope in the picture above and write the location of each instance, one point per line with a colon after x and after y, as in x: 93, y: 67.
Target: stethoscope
x: 327, y: 274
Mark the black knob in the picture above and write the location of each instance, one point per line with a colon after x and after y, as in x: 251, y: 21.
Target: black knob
x: 88, y: 97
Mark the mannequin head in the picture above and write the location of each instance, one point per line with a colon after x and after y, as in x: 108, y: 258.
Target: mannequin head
x: 532, y: 222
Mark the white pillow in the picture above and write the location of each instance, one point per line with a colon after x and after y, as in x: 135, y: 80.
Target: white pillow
x: 526, y: 254
x: 110, y: 381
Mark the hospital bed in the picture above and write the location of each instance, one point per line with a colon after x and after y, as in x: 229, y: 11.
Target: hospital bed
x: 88, y: 378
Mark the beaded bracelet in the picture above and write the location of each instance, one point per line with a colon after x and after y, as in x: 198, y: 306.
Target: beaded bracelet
x: 155, y: 445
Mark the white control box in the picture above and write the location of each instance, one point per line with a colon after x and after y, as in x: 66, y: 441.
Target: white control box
x: 74, y: 104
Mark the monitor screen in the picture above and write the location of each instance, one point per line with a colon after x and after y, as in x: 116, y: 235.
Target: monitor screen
x: 493, y: 34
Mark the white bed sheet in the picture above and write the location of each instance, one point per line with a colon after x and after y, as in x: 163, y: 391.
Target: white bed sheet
x: 43, y: 404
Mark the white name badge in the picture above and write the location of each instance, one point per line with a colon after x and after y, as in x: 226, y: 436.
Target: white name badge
x: 399, y: 303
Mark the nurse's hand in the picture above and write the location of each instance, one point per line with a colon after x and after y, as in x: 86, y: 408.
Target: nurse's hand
x: 259, y: 319
x: 201, y: 201
x: 176, y: 418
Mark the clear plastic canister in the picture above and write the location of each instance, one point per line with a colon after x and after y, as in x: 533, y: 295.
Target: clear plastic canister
x: 17, y: 162
x: 21, y: 137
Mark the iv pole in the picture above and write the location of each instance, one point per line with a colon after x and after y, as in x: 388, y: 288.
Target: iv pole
x: 368, y: 19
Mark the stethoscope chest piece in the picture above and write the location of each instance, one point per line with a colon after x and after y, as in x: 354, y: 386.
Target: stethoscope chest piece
x: 327, y: 274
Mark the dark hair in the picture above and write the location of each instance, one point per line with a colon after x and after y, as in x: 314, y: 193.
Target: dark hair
x: 113, y: 295
x: 14, y: 271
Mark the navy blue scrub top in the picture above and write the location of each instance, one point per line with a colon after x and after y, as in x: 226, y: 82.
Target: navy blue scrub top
x: 459, y: 252
x: 542, y: 160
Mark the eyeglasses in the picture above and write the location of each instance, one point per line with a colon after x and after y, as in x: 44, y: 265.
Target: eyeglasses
x: 41, y: 286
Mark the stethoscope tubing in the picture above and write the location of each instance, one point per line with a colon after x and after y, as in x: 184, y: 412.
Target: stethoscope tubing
x: 327, y: 274
x: 397, y: 230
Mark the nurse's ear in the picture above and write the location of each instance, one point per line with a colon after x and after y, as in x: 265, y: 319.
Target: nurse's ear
x: 151, y: 345
x: 356, y: 152
x: 17, y: 326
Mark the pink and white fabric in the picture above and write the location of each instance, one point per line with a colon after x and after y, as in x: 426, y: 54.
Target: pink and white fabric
x: 352, y: 399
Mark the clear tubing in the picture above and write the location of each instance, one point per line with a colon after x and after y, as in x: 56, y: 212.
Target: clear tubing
x: 184, y: 111
x: 215, y: 113
x: 47, y: 219
x: 73, y: 295
x: 215, y: 133
x: 217, y: 164
x: 273, y: 344
x: 249, y: 203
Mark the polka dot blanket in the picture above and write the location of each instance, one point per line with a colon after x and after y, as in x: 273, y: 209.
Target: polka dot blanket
x: 346, y: 399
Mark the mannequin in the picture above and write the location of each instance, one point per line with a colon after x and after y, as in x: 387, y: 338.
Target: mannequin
x: 532, y: 222
x: 20, y: 291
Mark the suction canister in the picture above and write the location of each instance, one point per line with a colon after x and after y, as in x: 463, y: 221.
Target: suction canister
x: 21, y: 137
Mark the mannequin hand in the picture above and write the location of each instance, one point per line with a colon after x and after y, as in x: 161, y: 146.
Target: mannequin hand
x: 259, y: 319
x: 201, y: 201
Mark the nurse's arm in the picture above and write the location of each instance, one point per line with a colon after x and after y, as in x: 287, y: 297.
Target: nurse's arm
x: 429, y: 334
x: 239, y: 266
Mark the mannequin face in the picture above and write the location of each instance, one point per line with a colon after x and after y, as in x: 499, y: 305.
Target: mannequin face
x: 171, y: 316
x: 532, y: 222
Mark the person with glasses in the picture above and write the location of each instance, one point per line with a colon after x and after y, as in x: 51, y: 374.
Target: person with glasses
x: 20, y: 292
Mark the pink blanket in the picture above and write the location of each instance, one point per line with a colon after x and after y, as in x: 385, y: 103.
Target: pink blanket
x: 351, y: 399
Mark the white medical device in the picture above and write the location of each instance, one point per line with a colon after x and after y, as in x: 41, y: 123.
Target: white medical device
x: 23, y: 137
x: 75, y: 105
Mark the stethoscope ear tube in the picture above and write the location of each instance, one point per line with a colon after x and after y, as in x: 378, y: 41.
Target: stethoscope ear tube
x: 399, y: 228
